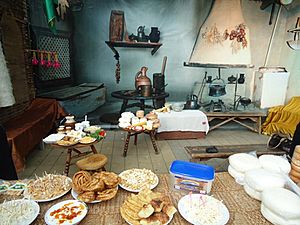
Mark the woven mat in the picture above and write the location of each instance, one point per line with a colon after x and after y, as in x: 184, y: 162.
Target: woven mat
x: 243, y: 209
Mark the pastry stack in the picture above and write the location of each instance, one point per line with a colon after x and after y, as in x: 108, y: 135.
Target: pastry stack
x: 295, y: 165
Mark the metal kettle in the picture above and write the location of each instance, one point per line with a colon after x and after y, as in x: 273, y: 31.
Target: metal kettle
x: 192, y: 102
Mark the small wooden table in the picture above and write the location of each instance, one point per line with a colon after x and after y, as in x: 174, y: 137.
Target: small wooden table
x: 237, y: 116
x: 74, y: 148
x: 134, y: 133
x: 127, y: 95
x: 198, y: 153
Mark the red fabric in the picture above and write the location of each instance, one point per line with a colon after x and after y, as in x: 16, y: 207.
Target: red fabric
x: 28, y: 129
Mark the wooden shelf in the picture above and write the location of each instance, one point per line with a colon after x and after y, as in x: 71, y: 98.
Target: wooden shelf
x: 126, y: 44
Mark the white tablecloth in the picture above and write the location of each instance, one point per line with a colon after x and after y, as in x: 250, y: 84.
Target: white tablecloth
x: 186, y: 120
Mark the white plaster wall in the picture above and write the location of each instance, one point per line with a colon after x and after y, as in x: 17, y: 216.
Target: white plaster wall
x: 179, y: 22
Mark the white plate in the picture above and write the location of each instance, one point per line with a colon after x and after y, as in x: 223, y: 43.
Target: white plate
x: 138, y: 190
x: 85, y: 143
x: 27, y: 195
x: 75, y: 196
x: 191, y: 203
x: 53, y: 138
x: 29, y: 209
x: 51, y: 220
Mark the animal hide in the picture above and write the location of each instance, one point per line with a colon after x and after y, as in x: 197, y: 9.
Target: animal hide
x: 6, y: 92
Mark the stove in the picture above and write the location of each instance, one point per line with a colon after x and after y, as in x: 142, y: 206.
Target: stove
x: 216, y: 106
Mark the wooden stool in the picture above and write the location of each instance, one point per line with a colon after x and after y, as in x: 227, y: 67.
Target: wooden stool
x: 92, y: 162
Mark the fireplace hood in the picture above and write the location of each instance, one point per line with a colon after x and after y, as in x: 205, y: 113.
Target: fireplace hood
x: 223, y: 39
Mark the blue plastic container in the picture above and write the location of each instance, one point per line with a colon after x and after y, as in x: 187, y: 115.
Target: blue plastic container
x: 192, y: 176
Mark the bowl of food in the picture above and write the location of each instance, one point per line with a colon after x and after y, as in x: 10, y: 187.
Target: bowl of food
x: 177, y: 106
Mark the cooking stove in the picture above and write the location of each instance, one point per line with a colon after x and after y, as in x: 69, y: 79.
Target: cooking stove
x: 216, y: 106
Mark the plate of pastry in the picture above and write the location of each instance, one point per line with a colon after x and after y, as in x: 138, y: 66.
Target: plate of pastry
x: 134, y: 180
x: 87, y: 140
x: 94, y: 187
x: 66, y: 212
x: 147, y: 207
x: 67, y: 141
x: 48, y: 188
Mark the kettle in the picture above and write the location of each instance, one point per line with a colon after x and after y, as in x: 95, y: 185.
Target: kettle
x: 217, y: 88
x: 192, y: 102
x: 141, y: 78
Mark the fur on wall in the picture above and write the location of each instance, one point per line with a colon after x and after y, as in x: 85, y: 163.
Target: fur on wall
x: 6, y: 91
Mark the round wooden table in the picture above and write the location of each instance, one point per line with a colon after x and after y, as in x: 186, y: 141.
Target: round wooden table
x: 134, y: 133
x: 127, y: 95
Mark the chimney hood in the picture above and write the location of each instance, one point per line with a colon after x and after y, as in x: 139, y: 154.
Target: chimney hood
x: 223, y: 39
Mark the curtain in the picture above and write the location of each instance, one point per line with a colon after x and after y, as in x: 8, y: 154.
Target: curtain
x: 6, y: 91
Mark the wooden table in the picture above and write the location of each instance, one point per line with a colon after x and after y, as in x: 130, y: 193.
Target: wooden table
x: 198, y: 153
x: 242, y: 208
x: 127, y: 95
x: 78, y: 153
x: 237, y: 117
x: 134, y: 133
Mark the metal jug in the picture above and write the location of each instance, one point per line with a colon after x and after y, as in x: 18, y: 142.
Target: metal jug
x: 141, y: 78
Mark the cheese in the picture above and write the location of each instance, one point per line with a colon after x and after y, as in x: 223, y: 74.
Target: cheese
x: 275, y: 163
x: 243, y: 162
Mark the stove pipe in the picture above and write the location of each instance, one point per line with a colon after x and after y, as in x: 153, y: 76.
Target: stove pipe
x: 223, y: 39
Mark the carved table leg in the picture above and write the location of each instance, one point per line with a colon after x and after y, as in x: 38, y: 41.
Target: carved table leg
x: 126, y: 144
x: 135, y: 139
x: 93, y: 149
x: 68, y: 161
x: 153, y: 142
x: 124, y: 106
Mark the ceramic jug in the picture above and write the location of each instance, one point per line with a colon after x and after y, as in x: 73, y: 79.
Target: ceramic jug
x: 154, y: 34
x: 141, y: 78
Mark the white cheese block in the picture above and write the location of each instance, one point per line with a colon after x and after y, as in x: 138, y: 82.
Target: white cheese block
x: 275, y: 163
x: 243, y: 162
x: 251, y: 192
x: 277, y: 219
x: 261, y: 179
x: 236, y: 174
x: 282, y: 202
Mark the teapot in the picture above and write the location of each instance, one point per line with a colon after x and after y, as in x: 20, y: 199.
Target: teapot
x: 192, y: 102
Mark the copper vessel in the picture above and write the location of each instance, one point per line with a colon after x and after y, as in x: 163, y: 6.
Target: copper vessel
x: 141, y: 78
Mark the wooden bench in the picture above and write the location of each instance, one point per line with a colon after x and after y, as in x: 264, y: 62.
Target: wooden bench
x: 237, y: 117
x: 198, y: 153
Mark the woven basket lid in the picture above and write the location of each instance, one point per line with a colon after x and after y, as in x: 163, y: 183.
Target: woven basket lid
x: 92, y: 162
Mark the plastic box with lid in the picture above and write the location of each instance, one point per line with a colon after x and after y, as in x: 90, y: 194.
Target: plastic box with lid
x: 190, y: 176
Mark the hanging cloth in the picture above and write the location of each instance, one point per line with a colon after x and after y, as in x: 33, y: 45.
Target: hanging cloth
x: 6, y: 92
x: 49, y: 8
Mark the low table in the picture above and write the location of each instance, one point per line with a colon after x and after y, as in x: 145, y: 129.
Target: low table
x: 127, y: 95
x: 198, y: 153
x: 134, y: 133
x: 237, y: 117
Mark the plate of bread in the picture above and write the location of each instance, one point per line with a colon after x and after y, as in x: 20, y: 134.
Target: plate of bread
x: 94, y: 187
x: 134, y: 180
x: 87, y: 140
x: 147, y: 207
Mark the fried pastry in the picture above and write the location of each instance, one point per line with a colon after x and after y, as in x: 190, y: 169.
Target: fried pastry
x: 156, y: 218
x: 106, y: 194
x: 80, y: 179
x: 94, y: 185
x: 146, y: 211
x: 87, y: 196
x: 169, y: 210
x: 110, y: 179
x: 157, y: 204
x: 124, y: 215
